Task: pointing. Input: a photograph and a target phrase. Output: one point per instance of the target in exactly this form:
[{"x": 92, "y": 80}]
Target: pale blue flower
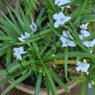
[
  {"x": 33, "y": 27},
  {"x": 66, "y": 39},
  {"x": 23, "y": 37},
  {"x": 18, "y": 52},
  {"x": 84, "y": 34},
  {"x": 61, "y": 2},
  {"x": 82, "y": 66},
  {"x": 84, "y": 26},
  {"x": 89, "y": 43},
  {"x": 60, "y": 19}
]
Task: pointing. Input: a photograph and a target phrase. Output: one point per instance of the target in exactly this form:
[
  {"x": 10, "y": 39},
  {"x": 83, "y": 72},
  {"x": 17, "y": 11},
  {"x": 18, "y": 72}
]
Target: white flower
[
  {"x": 89, "y": 43},
  {"x": 33, "y": 27},
  {"x": 89, "y": 85},
  {"x": 84, "y": 34},
  {"x": 60, "y": 19},
  {"x": 84, "y": 26},
  {"x": 22, "y": 38},
  {"x": 61, "y": 2},
  {"x": 66, "y": 39},
  {"x": 82, "y": 66},
  {"x": 18, "y": 52}
]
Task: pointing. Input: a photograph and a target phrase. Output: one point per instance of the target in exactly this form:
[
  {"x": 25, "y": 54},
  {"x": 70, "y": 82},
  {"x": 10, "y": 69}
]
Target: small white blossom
[
  {"x": 22, "y": 38},
  {"x": 84, "y": 34},
  {"x": 60, "y": 19},
  {"x": 57, "y": 1},
  {"x": 66, "y": 39},
  {"x": 18, "y": 52},
  {"x": 82, "y": 66},
  {"x": 89, "y": 43},
  {"x": 61, "y": 2},
  {"x": 33, "y": 27},
  {"x": 84, "y": 26},
  {"x": 89, "y": 85}
]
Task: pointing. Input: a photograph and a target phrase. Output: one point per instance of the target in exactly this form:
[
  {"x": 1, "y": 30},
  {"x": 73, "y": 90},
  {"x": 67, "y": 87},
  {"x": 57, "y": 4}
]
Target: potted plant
[{"x": 48, "y": 43}]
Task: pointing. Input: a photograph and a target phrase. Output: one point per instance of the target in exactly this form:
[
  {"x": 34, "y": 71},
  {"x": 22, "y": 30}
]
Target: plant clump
[{"x": 46, "y": 41}]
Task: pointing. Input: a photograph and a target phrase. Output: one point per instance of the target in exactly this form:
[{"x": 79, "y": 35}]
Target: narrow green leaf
[
  {"x": 8, "y": 57},
  {"x": 66, "y": 62},
  {"x": 59, "y": 81},
  {"x": 4, "y": 80},
  {"x": 75, "y": 54},
  {"x": 31, "y": 6},
  {"x": 11, "y": 24},
  {"x": 93, "y": 89},
  {"x": 12, "y": 16},
  {"x": 38, "y": 84},
  {"x": 25, "y": 19},
  {"x": 88, "y": 18},
  {"x": 51, "y": 82},
  {"x": 48, "y": 86},
  {"x": 84, "y": 87},
  {"x": 16, "y": 82},
  {"x": 3, "y": 72},
  {"x": 5, "y": 38}
]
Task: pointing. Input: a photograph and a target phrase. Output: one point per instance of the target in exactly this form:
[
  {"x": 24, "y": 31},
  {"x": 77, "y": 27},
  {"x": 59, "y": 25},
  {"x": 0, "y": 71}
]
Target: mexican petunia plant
[{"x": 48, "y": 40}]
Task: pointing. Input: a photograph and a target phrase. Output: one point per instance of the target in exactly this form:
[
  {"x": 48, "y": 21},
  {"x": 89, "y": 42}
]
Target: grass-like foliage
[{"x": 40, "y": 37}]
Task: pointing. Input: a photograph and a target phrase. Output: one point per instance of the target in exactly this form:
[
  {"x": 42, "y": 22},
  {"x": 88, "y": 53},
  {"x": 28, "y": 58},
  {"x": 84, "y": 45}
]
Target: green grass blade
[
  {"x": 84, "y": 87},
  {"x": 51, "y": 82},
  {"x": 38, "y": 84},
  {"x": 66, "y": 62},
  {"x": 16, "y": 82},
  {"x": 59, "y": 81},
  {"x": 3, "y": 72}
]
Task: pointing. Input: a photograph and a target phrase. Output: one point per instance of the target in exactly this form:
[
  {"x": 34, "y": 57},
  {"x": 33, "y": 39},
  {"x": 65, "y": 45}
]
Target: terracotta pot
[{"x": 30, "y": 90}]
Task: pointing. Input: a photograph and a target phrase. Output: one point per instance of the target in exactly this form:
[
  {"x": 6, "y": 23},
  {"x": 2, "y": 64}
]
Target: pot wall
[
  {"x": 74, "y": 91},
  {"x": 30, "y": 90}
]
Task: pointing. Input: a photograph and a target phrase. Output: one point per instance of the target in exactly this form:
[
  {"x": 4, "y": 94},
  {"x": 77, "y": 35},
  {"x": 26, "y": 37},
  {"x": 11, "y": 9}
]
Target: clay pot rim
[{"x": 30, "y": 89}]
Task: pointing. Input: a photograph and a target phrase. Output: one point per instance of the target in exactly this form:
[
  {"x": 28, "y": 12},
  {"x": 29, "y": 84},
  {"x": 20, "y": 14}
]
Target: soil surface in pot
[{"x": 58, "y": 69}]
